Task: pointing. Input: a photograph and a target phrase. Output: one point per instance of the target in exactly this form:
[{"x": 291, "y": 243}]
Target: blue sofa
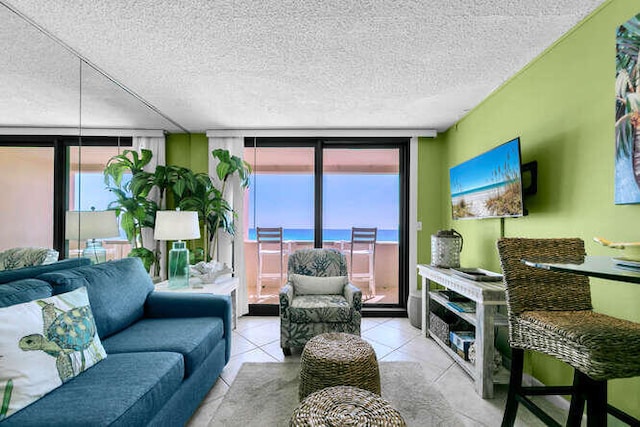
[{"x": 164, "y": 350}]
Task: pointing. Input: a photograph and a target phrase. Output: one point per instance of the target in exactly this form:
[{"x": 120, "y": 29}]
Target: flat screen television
[{"x": 489, "y": 185}]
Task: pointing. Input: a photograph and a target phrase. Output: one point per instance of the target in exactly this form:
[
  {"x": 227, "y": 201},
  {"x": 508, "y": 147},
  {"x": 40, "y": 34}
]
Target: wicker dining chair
[{"x": 551, "y": 313}]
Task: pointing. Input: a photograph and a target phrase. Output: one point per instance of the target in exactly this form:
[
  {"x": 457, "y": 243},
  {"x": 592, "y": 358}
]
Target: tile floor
[{"x": 257, "y": 339}]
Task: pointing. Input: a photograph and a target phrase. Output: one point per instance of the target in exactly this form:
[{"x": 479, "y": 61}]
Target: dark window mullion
[
  {"x": 403, "y": 238},
  {"x": 60, "y": 195},
  {"x": 318, "y": 196}
]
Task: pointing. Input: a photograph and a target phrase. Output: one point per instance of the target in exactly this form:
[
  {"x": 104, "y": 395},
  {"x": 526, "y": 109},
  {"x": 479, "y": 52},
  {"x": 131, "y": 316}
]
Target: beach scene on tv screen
[{"x": 488, "y": 185}]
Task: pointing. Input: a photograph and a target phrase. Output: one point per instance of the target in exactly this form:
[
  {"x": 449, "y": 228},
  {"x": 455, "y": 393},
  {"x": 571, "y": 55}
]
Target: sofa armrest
[
  {"x": 353, "y": 295},
  {"x": 171, "y": 304},
  {"x": 286, "y": 296}
]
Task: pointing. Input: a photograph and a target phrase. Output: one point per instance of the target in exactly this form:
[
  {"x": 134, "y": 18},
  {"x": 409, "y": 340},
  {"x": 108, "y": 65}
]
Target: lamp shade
[
  {"x": 84, "y": 225},
  {"x": 176, "y": 225}
]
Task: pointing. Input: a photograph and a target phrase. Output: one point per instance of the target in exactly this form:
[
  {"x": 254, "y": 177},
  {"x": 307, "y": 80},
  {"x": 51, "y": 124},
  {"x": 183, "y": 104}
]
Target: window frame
[
  {"x": 319, "y": 145},
  {"x": 60, "y": 145}
]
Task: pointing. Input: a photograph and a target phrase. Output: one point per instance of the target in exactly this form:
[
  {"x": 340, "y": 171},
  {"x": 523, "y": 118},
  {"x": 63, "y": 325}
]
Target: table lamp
[
  {"x": 90, "y": 226},
  {"x": 177, "y": 225}
]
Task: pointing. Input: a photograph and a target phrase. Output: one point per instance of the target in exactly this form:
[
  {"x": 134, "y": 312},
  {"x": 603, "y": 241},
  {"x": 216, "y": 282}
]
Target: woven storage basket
[
  {"x": 336, "y": 358},
  {"x": 442, "y": 321},
  {"x": 345, "y": 406}
]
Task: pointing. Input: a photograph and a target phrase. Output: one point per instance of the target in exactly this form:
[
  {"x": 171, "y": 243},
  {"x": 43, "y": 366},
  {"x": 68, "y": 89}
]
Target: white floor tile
[
  {"x": 240, "y": 344},
  {"x": 262, "y": 334},
  {"x": 389, "y": 336},
  {"x": 257, "y": 339}
]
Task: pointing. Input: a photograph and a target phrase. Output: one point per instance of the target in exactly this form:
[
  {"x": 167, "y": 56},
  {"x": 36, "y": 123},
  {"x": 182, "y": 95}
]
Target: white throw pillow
[
  {"x": 313, "y": 285},
  {"x": 27, "y": 370}
]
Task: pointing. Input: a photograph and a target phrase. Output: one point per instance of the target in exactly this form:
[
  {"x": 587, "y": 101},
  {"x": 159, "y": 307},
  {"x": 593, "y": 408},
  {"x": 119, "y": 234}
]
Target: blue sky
[
  {"x": 350, "y": 200},
  {"x": 286, "y": 200},
  {"x": 92, "y": 192},
  {"x": 478, "y": 171}
]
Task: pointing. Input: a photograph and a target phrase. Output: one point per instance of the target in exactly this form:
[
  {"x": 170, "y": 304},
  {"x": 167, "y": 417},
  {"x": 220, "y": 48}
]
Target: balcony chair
[
  {"x": 363, "y": 243},
  {"x": 317, "y": 298},
  {"x": 551, "y": 313},
  {"x": 269, "y": 244}
]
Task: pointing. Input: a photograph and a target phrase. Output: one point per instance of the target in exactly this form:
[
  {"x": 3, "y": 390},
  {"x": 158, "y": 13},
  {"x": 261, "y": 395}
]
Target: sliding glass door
[
  {"x": 361, "y": 216},
  {"x": 322, "y": 193},
  {"x": 280, "y": 196}
]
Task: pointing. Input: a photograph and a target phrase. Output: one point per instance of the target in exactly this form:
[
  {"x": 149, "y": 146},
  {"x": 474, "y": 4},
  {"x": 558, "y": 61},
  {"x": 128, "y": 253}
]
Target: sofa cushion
[
  {"x": 313, "y": 285},
  {"x": 11, "y": 259},
  {"x": 193, "y": 337},
  {"x": 123, "y": 390},
  {"x": 320, "y": 309},
  {"x": 24, "y": 290},
  {"x": 29, "y": 272},
  {"x": 117, "y": 291},
  {"x": 44, "y": 343}
]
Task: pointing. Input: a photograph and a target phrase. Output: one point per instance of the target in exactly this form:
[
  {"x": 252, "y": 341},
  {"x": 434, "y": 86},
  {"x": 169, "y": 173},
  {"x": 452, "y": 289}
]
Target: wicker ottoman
[
  {"x": 336, "y": 358},
  {"x": 345, "y": 406}
]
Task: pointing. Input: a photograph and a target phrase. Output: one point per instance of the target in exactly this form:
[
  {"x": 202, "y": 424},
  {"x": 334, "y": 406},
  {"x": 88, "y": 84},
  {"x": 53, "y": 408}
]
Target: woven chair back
[
  {"x": 535, "y": 289},
  {"x": 317, "y": 262}
]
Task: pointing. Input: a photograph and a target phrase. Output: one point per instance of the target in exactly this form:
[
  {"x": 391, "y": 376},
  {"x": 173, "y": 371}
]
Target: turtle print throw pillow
[{"x": 44, "y": 343}]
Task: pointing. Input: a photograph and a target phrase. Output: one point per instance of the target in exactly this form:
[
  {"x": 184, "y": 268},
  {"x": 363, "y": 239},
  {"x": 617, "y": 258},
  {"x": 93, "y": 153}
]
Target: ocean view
[
  {"x": 306, "y": 234},
  {"x": 481, "y": 189}
]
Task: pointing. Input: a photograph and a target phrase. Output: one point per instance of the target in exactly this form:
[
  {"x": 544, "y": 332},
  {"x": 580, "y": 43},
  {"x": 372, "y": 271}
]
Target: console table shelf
[
  {"x": 487, "y": 297},
  {"x": 499, "y": 320}
]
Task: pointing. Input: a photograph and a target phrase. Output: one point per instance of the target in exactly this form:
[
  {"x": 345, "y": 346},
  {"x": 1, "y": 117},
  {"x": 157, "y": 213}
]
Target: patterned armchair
[{"x": 317, "y": 298}]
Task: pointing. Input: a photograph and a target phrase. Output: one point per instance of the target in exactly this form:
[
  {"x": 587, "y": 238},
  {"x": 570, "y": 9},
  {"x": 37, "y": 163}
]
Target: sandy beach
[{"x": 476, "y": 201}]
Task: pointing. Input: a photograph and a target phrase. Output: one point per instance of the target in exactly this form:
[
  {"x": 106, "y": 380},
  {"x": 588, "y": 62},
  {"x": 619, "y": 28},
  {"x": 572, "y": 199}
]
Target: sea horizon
[{"x": 306, "y": 234}]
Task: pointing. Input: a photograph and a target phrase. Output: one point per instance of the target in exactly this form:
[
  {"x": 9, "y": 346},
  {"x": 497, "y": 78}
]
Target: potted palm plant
[
  {"x": 201, "y": 195},
  {"x": 132, "y": 207},
  {"x": 227, "y": 166},
  {"x": 191, "y": 191}
]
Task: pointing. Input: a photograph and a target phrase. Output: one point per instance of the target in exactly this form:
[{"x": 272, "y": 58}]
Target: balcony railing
[{"x": 386, "y": 271}]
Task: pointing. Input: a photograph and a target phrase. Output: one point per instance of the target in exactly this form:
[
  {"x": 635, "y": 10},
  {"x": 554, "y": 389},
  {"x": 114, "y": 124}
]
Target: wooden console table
[
  {"x": 487, "y": 296},
  {"x": 227, "y": 286}
]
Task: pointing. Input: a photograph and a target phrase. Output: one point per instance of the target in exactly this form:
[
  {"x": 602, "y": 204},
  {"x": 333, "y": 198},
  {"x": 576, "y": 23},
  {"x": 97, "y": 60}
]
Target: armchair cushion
[
  {"x": 313, "y": 285},
  {"x": 320, "y": 308}
]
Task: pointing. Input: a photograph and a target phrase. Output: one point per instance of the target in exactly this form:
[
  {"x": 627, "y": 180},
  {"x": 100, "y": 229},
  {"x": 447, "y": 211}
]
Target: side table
[{"x": 226, "y": 286}]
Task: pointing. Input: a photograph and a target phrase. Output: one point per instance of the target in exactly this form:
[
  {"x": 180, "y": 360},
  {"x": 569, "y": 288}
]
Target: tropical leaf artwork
[{"x": 627, "y": 126}]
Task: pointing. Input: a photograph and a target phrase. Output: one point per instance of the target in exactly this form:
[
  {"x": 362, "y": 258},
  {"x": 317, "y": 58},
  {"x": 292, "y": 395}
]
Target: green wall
[
  {"x": 189, "y": 150},
  {"x": 562, "y": 107}
]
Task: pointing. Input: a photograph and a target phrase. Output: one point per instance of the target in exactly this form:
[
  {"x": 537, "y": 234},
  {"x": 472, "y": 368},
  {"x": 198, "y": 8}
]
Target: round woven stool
[
  {"x": 336, "y": 358},
  {"x": 345, "y": 406}
]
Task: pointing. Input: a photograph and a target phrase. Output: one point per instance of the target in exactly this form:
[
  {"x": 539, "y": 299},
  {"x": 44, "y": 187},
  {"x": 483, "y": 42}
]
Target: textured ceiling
[{"x": 271, "y": 64}]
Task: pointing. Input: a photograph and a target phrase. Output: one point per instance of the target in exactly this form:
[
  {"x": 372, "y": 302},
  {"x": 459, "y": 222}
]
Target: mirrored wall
[{"x": 61, "y": 119}]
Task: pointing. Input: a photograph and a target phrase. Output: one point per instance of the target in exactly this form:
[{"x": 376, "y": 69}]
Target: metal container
[{"x": 446, "y": 246}]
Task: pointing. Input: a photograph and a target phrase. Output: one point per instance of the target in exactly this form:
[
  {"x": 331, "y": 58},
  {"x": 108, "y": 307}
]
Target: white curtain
[
  {"x": 231, "y": 248},
  {"x": 157, "y": 146}
]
